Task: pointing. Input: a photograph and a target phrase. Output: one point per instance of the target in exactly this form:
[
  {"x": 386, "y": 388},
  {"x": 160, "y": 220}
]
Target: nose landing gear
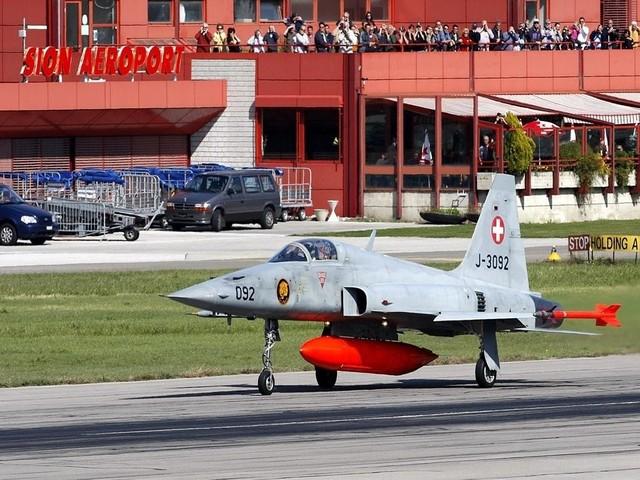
[{"x": 266, "y": 380}]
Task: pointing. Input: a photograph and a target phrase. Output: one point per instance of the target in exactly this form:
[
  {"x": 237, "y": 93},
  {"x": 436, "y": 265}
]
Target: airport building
[{"x": 121, "y": 83}]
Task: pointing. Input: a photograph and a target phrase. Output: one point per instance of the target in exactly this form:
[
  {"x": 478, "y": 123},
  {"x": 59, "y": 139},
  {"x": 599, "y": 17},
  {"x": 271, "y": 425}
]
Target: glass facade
[
  {"x": 279, "y": 133},
  {"x": 380, "y": 133},
  {"x": 322, "y": 133}
]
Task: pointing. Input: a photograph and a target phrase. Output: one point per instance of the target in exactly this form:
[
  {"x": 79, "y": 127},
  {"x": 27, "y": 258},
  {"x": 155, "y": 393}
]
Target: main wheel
[
  {"x": 8, "y": 234},
  {"x": 38, "y": 241},
  {"x": 217, "y": 221},
  {"x": 302, "y": 215},
  {"x": 326, "y": 378},
  {"x": 484, "y": 376},
  {"x": 268, "y": 218},
  {"x": 131, "y": 234},
  {"x": 266, "y": 382}
]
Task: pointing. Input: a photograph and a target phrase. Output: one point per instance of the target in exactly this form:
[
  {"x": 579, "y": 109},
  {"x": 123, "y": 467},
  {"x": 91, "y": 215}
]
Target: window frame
[{"x": 287, "y": 10}]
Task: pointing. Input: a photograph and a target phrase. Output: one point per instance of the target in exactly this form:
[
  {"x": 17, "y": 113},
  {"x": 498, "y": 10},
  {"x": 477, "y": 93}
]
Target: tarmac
[
  {"x": 553, "y": 419},
  {"x": 239, "y": 247}
]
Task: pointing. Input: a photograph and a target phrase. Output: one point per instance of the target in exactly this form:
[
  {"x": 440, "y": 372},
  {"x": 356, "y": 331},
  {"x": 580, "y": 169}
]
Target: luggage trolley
[{"x": 295, "y": 192}]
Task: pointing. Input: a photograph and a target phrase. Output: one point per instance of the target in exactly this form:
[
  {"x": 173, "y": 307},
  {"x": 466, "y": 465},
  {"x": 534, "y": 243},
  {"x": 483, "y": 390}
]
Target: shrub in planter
[
  {"x": 518, "y": 146},
  {"x": 587, "y": 168},
  {"x": 624, "y": 166},
  {"x": 570, "y": 151}
]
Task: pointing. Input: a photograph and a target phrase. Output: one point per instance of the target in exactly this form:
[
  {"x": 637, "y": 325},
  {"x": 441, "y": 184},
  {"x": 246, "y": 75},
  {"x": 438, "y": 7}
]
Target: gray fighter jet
[{"x": 364, "y": 299}]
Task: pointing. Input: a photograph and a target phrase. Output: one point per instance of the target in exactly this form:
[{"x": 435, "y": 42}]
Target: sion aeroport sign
[{"x": 102, "y": 60}]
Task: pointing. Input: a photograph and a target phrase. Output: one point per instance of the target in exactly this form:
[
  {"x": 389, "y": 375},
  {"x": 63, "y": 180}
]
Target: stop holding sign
[{"x": 579, "y": 243}]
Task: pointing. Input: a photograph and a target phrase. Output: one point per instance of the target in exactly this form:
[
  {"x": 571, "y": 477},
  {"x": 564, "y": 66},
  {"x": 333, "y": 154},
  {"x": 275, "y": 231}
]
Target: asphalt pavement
[
  {"x": 560, "y": 419},
  {"x": 239, "y": 247}
]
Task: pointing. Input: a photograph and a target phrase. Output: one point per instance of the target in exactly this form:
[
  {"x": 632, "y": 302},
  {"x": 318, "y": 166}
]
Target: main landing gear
[{"x": 266, "y": 381}]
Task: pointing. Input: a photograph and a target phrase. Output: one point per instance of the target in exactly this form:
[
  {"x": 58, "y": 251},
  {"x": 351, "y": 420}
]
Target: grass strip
[{"x": 88, "y": 327}]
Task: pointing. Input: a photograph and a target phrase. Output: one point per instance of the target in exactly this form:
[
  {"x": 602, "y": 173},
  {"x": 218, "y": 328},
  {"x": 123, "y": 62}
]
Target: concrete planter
[
  {"x": 632, "y": 180},
  {"x": 541, "y": 180},
  {"x": 484, "y": 180},
  {"x": 568, "y": 180},
  {"x": 600, "y": 182}
]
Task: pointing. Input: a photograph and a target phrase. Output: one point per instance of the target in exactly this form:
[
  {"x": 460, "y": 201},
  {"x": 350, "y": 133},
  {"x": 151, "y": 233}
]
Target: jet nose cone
[{"x": 200, "y": 296}]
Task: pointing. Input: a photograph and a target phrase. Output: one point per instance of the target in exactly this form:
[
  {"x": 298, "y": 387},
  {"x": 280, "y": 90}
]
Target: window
[
  {"x": 536, "y": 9},
  {"x": 278, "y": 133},
  {"x": 455, "y": 182},
  {"x": 379, "y": 9},
  {"x": 422, "y": 182},
  {"x": 104, "y": 11},
  {"x": 271, "y": 10},
  {"x": 329, "y": 11},
  {"x": 457, "y": 141},
  {"x": 244, "y": 10},
  {"x": 190, "y": 11},
  {"x": 419, "y": 137},
  {"x": 380, "y": 131},
  {"x": 380, "y": 181},
  {"x": 322, "y": 134},
  {"x": 251, "y": 184},
  {"x": 267, "y": 183},
  {"x": 356, "y": 8},
  {"x": 236, "y": 185},
  {"x": 159, "y": 11},
  {"x": 304, "y": 8}
]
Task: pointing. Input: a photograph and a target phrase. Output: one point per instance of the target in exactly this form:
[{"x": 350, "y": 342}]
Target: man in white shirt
[
  {"x": 486, "y": 36},
  {"x": 583, "y": 34}
]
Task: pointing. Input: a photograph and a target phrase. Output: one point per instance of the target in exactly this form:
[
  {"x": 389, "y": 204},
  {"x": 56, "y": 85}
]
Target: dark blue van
[{"x": 21, "y": 221}]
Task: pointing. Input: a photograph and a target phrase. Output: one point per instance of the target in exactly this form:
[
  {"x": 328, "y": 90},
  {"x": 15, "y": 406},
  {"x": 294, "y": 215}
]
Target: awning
[
  {"x": 463, "y": 107},
  {"x": 298, "y": 101},
  {"x": 580, "y": 104},
  {"x": 109, "y": 108}
]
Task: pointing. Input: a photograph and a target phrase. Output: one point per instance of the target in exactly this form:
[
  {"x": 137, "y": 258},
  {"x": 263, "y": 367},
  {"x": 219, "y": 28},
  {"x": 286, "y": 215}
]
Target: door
[
  {"x": 72, "y": 18},
  {"x": 253, "y": 197},
  {"x": 233, "y": 203}
]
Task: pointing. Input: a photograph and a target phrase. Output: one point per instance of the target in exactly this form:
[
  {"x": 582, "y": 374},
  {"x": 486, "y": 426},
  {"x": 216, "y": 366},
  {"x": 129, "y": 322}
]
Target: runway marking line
[{"x": 363, "y": 419}]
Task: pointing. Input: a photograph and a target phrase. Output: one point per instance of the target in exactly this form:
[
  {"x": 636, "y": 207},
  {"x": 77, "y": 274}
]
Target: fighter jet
[{"x": 364, "y": 299}]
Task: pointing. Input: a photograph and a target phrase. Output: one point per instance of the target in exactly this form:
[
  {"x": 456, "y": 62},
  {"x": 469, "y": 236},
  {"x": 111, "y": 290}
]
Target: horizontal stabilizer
[{"x": 553, "y": 330}]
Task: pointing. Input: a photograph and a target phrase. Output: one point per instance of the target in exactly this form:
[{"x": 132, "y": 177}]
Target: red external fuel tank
[{"x": 365, "y": 356}]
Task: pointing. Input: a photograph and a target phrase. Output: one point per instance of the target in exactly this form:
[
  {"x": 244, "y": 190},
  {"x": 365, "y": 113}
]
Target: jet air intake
[{"x": 365, "y": 356}]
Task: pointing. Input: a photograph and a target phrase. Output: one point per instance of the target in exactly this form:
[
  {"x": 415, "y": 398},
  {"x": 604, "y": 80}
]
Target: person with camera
[
  {"x": 534, "y": 37},
  {"x": 510, "y": 40},
  {"x": 486, "y": 36},
  {"x": 634, "y": 34},
  {"x": 219, "y": 39},
  {"x": 271, "y": 39},
  {"x": 233, "y": 41},
  {"x": 345, "y": 38},
  {"x": 203, "y": 39},
  {"x": 256, "y": 42},
  {"x": 583, "y": 34},
  {"x": 609, "y": 36}
]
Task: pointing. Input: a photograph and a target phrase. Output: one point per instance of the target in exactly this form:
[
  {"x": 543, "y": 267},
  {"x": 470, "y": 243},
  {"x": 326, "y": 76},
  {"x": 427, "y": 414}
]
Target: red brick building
[{"x": 341, "y": 115}]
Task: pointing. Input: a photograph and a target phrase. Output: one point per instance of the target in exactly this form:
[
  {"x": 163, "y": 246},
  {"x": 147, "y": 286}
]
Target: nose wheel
[{"x": 266, "y": 380}]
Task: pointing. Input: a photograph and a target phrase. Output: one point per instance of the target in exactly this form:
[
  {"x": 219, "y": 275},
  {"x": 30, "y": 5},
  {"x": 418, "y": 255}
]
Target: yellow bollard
[{"x": 554, "y": 256}]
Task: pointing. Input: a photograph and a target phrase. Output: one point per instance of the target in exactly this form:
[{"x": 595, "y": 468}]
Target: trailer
[
  {"x": 82, "y": 219},
  {"x": 295, "y": 192}
]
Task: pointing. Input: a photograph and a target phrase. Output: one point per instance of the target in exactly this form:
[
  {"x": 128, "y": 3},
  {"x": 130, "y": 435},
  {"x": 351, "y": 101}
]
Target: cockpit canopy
[{"x": 307, "y": 250}]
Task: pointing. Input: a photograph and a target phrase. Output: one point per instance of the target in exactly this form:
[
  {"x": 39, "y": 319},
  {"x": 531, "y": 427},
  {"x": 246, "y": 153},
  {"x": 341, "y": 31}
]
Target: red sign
[
  {"x": 498, "y": 230},
  {"x": 103, "y": 60},
  {"x": 579, "y": 243}
]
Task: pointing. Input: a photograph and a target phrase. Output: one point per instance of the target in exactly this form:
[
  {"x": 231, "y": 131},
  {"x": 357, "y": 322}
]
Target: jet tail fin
[{"x": 496, "y": 254}]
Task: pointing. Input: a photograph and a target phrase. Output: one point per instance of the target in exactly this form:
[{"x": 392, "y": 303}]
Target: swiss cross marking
[{"x": 497, "y": 230}]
